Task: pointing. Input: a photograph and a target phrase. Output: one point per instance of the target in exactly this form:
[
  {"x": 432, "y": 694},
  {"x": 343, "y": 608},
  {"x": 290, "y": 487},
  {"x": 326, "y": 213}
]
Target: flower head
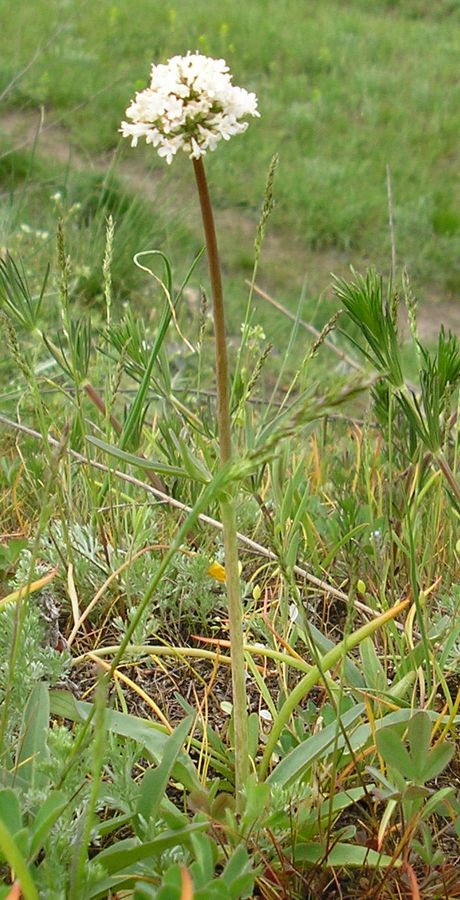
[{"x": 190, "y": 105}]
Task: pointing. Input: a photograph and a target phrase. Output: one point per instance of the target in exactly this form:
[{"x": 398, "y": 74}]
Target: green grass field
[
  {"x": 230, "y": 671},
  {"x": 345, "y": 90}
]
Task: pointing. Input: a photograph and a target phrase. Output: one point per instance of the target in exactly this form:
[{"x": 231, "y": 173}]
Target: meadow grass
[
  {"x": 117, "y": 723},
  {"x": 343, "y": 95},
  {"x": 347, "y": 532}
]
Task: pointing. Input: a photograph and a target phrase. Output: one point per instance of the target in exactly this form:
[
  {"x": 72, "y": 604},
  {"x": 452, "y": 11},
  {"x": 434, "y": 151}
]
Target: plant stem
[
  {"x": 448, "y": 474},
  {"x": 235, "y": 612}
]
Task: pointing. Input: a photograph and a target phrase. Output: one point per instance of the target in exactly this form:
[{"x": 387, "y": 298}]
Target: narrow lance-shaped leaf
[
  {"x": 155, "y": 781},
  {"x": 33, "y": 747}
]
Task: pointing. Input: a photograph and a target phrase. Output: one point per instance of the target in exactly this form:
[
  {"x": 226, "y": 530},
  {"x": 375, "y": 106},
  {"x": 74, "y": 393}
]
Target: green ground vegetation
[
  {"x": 117, "y": 773},
  {"x": 345, "y": 90}
]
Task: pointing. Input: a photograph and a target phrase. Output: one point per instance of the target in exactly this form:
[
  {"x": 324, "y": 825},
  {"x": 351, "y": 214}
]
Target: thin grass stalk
[
  {"x": 417, "y": 596},
  {"x": 267, "y": 209},
  {"x": 449, "y": 476},
  {"x": 15, "y": 860},
  {"x": 352, "y": 363},
  {"x": 158, "y": 650},
  {"x": 389, "y": 510},
  {"x": 235, "y": 612}
]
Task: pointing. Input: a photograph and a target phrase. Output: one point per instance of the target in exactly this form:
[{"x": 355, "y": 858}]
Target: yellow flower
[{"x": 217, "y": 571}]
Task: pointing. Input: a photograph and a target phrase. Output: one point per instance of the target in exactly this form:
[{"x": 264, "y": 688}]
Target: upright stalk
[{"x": 232, "y": 576}]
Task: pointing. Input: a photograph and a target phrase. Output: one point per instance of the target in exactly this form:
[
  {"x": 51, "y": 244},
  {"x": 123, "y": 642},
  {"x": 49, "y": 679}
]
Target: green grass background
[{"x": 345, "y": 89}]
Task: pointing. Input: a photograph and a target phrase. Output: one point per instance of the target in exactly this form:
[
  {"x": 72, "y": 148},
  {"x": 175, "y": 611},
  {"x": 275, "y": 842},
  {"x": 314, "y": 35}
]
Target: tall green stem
[{"x": 232, "y": 579}]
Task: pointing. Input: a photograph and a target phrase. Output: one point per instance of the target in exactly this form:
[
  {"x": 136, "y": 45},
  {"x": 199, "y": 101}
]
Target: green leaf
[
  {"x": 317, "y": 747},
  {"x": 437, "y": 760},
  {"x": 238, "y": 874},
  {"x": 135, "y": 414},
  {"x": 256, "y": 801},
  {"x": 196, "y": 470},
  {"x": 253, "y": 734},
  {"x": 238, "y": 861},
  {"x": 391, "y": 790},
  {"x": 155, "y": 781},
  {"x": 10, "y": 852},
  {"x": 422, "y": 764},
  {"x": 243, "y": 886},
  {"x": 363, "y": 733},
  {"x": 427, "y": 764},
  {"x": 10, "y": 811},
  {"x": 152, "y": 737},
  {"x": 33, "y": 747},
  {"x": 432, "y": 805},
  {"x": 401, "y": 687},
  {"x": 171, "y": 885},
  {"x": 102, "y": 829},
  {"x": 324, "y": 644},
  {"x": 148, "y": 892},
  {"x": 363, "y": 299},
  {"x": 46, "y": 818},
  {"x": 140, "y": 462},
  {"x": 313, "y": 824},
  {"x": 216, "y": 890},
  {"x": 326, "y": 561},
  {"x": 205, "y": 853},
  {"x": 393, "y": 751},
  {"x": 12, "y": 779},
  {"x": 419, "y": 736},
  {"x": 211, "y": 736},
  {"x": 374, "y": 673},
  {"x": 127, "y": 853},
  {"x": 16, "y": 295},
  {"x": 346, "y": 855}
]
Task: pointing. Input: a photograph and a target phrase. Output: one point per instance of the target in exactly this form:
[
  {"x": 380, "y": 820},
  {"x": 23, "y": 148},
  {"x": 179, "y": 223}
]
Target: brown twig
[{"x": 314, "y": 331}]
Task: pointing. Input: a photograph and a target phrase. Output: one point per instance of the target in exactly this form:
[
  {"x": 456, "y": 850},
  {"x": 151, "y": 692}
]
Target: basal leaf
[
  {"x": 293, "y": 766},
  {"x": 139, "y": 461},
  {"x": 33, "y": 747},
  {"x": 393, "y": 751},
  {"x": 10, "y": 811},
  {"x": 122, "y": 855},
  {"x": 47, "y": 816},
  {"x": 155, "y": 781},
  {"x": 151, "y": 736},
  {"x": 437, "y": 760},
  {"x": 346, "y": 855}
]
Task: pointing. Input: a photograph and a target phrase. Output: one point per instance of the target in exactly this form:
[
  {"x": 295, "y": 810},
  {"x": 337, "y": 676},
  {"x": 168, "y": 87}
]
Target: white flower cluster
[{"x": 190, "y": 105}]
